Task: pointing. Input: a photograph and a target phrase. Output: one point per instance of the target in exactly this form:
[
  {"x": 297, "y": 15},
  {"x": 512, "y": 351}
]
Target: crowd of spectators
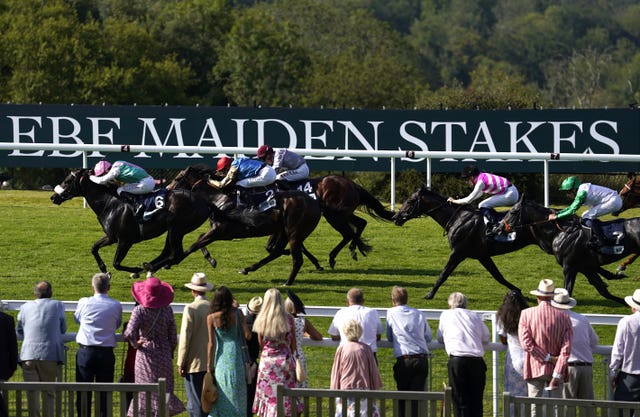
[{"x": 550, "y": 348}]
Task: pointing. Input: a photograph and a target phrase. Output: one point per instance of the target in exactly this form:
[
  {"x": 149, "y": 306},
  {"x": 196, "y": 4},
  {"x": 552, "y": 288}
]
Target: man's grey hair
[
  {"x": 457, "y": 300},
  {"x": 101, "y": 282}
]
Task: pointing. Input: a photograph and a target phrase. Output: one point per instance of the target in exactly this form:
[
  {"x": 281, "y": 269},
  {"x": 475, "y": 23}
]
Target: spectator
[
  {"x": 545, "y": 335},
  {"x": 152, "y": 331},
  {"x": 227, "y": 331},
  {"x": 275, "y": 329},
  {"x": 580, "y": 382},
  {"x": 407, "y": 329},
  {"x": 507, "y": 319},
  {"x": 464, "y": 334},
  {"x": 354, "y": 367},
  {"x": 294, "y": 306},
  {"x": 253, "y": 308},
  {"x": 99, "y": 318},
  {"x": 192, "y": 346},
  {"x": 8, "y": 354},
  {"x": 42, "y": 323},
  {"x": 288, "y": 165},
  {"x": 367, "y": 317},
  {"x": 625, "y": 355}
]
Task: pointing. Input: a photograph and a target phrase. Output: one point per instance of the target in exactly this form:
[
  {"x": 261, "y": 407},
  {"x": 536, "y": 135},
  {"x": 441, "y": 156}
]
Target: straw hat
[
  {"x": 152, "y": 293},
  {"x": 209, "y": 392},
  {"x": 545, "y": 289},
  {"x": 562, "y": 300},
  {"x": 199, "y": 283},
  {"x": 255, "y": 304},
  {"x": 633, "y": 300}
]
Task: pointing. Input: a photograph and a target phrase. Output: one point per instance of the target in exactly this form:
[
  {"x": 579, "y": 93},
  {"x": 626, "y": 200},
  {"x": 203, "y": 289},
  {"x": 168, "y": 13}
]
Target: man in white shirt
[
  {"x": 99, "y": 318},
  {"x": 407, "y": 329},
  {"x": 367, "y": 317},
  {"x": 464, "y": 334},
  {"x": 624, "y": 368},
  {"x": 580, "y": 383}
]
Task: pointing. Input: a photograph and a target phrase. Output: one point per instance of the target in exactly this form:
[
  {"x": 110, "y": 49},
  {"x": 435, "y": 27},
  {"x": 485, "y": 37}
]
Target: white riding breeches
[
  {"x": 266, "y": 176},
  {"x": 609, "y": 206},
  {"x": 146, "y": 185},
  {"x": 508, "y": 198},
  {"x": 297, "y": 174}
]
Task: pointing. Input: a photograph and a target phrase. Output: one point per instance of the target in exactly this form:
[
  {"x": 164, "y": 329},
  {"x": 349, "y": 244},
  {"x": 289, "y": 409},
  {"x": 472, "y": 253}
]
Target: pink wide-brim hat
[{"x": 152, "y": 293}]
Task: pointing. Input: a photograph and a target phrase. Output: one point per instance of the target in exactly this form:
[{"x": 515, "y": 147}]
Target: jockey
[
  {"x": 131, "y": 179},
  {"x": 245, "y": 172},
  {"x": 289, "y": 165},
  {"x": 503, "y": 193}
]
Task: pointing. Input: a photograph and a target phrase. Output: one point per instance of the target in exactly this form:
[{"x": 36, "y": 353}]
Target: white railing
[{"x": 427, "y": 156}]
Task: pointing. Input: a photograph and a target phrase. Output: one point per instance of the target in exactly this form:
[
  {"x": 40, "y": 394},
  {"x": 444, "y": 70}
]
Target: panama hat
[
  {"x": 545, "y": 289},
  {"x": 562, "y": 300},
  {"x": 633, "y": 300},
  {"x": 209, "y": 392},
  {"x": 199, "y": 283},
  {"x": 255, "y": 304},
  {"x": 152, "y": 293}
]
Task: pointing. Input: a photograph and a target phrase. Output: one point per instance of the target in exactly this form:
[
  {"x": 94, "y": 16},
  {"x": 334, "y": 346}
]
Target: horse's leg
[
  {"x": 104, "y": 241},
  {"x": 121, "y": 251},
  {"x": 172, "y": 253},
  {"x": 610, "y": 275},
  {"x": 623, "y": 266},
  {"x": 312, "y": 258},
  {"x": 595, "y": 280},
  {"x": 490, "y": 266},
  {"x": 570, "y": 274},
  {"x": 273, "y": 254},
  {"x": 296, "y": 262},
  {"x": 453, "y": 261},
  {"x": 358, "y": 224},
  {"x": 208, "y": 257},
  {"x": 347, "y": 233}
]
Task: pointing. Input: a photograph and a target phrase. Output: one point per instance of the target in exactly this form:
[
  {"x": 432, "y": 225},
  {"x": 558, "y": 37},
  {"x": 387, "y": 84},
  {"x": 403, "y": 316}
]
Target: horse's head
[
  {"x": 524, "y": 213},
  {"x": 191, "y": 177},
  {"x": 630, "y": 193},
  {"x": 71, "y": 186},
  {"x": 419, "y": 203}
]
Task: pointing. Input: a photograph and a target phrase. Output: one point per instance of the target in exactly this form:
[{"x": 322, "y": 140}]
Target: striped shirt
[
  {"x": 545, "y": 330},
  {"x": 624, "y": 352},
  {"x": 493, "y": 184}
]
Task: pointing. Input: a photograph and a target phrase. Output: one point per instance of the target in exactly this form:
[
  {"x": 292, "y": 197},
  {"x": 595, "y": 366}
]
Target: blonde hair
[
  {"x": 289, "y": 306},
  {"x": 272, "y": 321},
  {"x": 352, "y": 330}
]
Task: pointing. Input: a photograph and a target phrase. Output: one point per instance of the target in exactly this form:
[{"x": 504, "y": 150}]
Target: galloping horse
[
  {"x": 567, "y": 241},
  {"x": 184, "y": 212},
  {"x": 630, "y": 195},
  {"x": 339, "y": 198},
  {"x": 465, "y": 230},
  {"x": 290, "y": 222}
]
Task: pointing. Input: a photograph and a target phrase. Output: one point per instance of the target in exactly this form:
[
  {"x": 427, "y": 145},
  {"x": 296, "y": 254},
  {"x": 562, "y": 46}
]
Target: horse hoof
[
  {"x": 243, "y": 271},
  {"x": 134, "y": 275},
  {"x": 319, "y": 269},
  {"x": 213, "y": 263},
  {"x": 428, "y": 297},
  {"x": 332, "y": 263}
]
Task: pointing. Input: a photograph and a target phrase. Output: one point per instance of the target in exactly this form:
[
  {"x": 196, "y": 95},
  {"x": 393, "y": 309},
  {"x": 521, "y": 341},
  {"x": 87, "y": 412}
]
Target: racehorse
[
  {"x": 568, "y": 242},
  {"x": 290, "y": 222},
  {"x": 195, "y": 178},
  {"x": 184, "y": 212},
  {"x": 630, "y": 195},
  {"x": 339, "y": 198},
  {"x": 465, "y": 229}
]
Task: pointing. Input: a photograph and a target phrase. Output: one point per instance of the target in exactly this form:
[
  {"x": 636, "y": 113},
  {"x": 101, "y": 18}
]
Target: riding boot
[
  {"x": 595, "y": 240},
  {"x": 138, "y": 208}
]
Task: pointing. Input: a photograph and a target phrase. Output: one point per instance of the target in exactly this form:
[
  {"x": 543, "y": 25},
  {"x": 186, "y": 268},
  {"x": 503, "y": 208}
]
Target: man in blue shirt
[
  {"x": 407, "y": 329},
  {"x": 99, "y": 318},
  {"x": 245, "y": 172}
]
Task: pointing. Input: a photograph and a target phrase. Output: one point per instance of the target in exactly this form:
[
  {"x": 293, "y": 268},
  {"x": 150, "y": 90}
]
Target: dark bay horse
[
  {"x": 465, "y": 229},
  {"x": 289, "y": 223},
  {"x": 630, "y": 195},
  {"x": 568, "y": 242},
  {"x": 184, "y": 212},
  {"x": 339, "y": 198}
]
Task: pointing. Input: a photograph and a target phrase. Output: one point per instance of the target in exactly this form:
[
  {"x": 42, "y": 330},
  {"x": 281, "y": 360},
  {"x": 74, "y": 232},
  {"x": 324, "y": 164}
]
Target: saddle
[
  {"x": 146, "y": 205},
  {"x": 306, "y": 185},
  {"x": 605, "y": 237},
  {"x": 260, "y": 199}
]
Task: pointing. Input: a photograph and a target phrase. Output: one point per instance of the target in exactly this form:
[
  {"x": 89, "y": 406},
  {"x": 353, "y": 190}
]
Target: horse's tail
[{"x": 373, "y": 206}]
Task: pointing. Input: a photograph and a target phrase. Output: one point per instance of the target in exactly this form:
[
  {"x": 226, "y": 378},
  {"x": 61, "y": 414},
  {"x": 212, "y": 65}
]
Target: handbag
[
  {"x": 301, "y": 372},
  {"x": 209, "y": 392}
]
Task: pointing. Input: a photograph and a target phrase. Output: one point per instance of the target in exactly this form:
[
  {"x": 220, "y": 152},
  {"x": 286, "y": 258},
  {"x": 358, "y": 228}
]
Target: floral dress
[
  {"x": 299, "y": 323},
  {"x": 277, "y": 366},
  {"x": 155, "y": 329}
]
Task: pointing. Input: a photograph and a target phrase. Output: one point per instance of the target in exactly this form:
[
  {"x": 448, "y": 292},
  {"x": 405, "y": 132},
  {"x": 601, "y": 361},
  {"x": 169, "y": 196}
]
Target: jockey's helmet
[
  {"x": 264, "y": 151},
  {"x": 224, "y": 163},
  {"x": 570, "y": 184},
  {"x": 102, "y": 168},
  {"x": 470, "y": 171}
]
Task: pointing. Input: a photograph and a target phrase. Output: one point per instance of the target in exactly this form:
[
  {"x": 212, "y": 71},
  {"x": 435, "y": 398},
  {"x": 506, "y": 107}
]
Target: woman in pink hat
[{"x": 152, "y": 331}]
